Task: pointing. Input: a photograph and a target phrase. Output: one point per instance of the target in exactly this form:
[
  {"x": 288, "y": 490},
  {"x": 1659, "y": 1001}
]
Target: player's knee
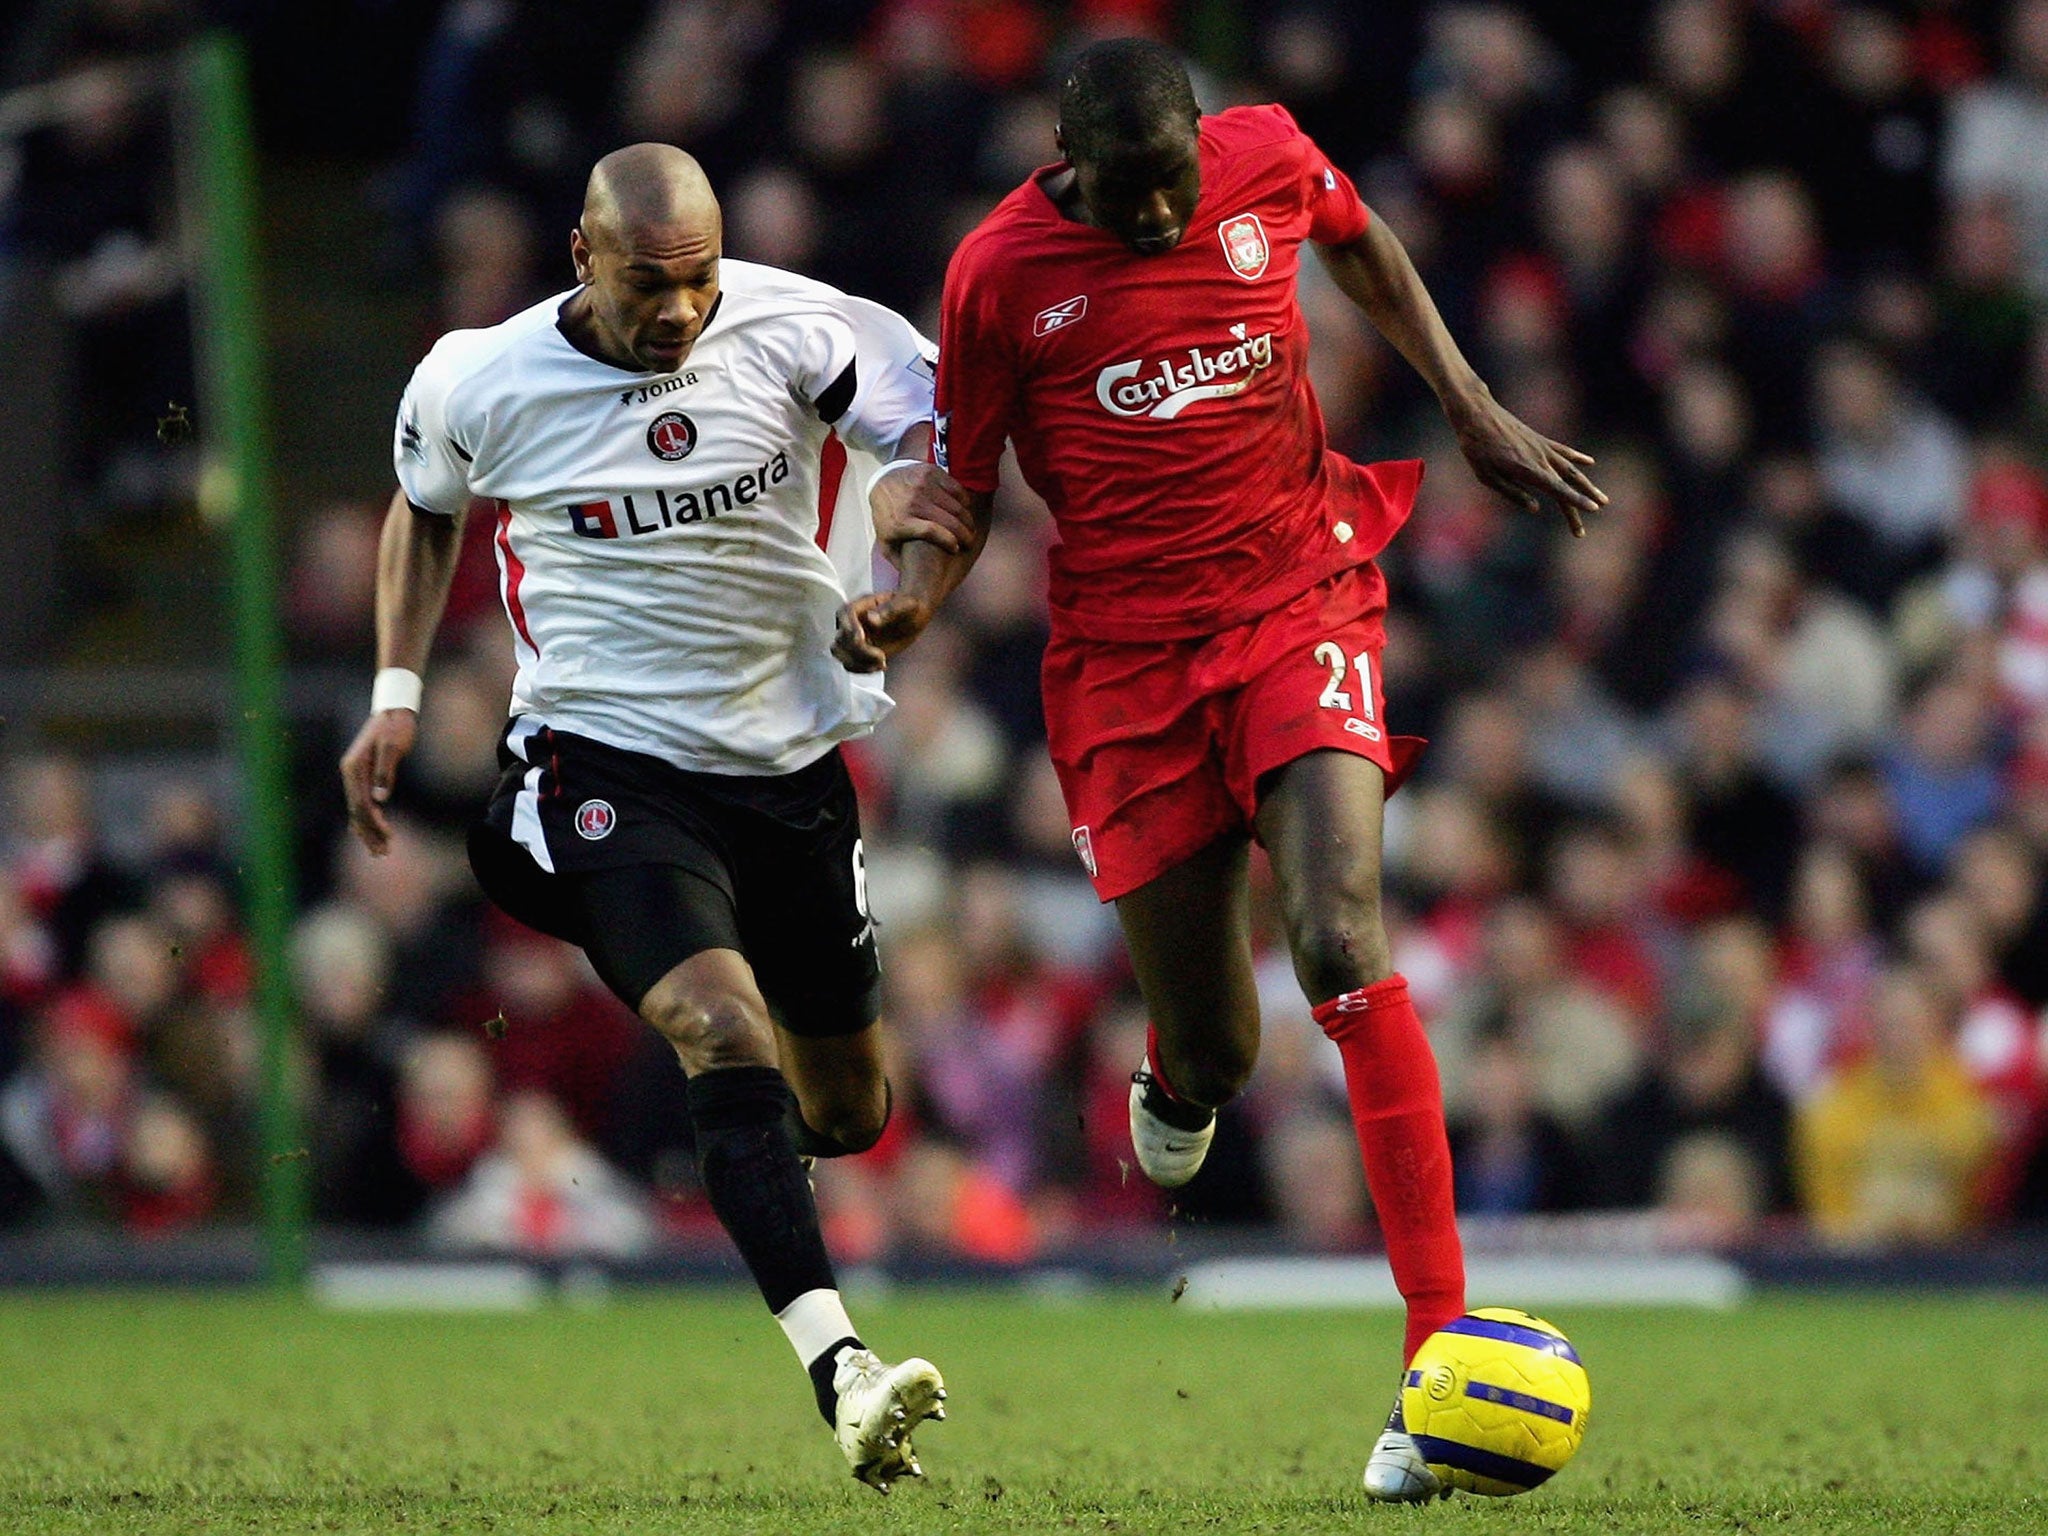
[
  {"x": 1341, "y": 951},
  {"x": 711, "y": 1028}
]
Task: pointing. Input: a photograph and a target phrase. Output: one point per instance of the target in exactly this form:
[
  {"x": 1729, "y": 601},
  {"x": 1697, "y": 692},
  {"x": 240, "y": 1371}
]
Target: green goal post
[{"x": 219, "y": 195}]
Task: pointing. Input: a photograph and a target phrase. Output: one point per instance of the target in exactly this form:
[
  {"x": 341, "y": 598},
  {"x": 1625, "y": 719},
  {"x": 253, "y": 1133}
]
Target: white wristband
[
  {"x": 396, "y": 688},
  {"x": 889, "y": 469}
]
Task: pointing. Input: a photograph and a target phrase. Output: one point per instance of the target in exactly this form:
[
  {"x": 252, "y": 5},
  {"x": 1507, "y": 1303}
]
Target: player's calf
[
  {"x": 1207, "y": 1074},
  {"x": 831, "y": 1051},
  {"x": 841, "y": 1126},
  {"x": 1390, "y": 1078}
]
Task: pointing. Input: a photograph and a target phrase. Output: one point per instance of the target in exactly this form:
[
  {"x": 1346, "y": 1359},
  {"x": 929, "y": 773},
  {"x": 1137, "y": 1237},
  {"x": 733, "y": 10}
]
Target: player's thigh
[
  {"x": 1131, "y": 733},
  {"x": 1309, "y": 758},
  {"x": 1320, "y": 819},
  {"x": 1189, "y": 935},
  {"x": 802, "y": 901},
  {"x": 665, "y": 939}
]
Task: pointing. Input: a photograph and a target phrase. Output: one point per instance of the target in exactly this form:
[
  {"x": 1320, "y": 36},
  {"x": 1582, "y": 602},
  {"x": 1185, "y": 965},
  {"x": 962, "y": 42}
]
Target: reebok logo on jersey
[
  {"x": 1244, "y": 244},
  {"x": 1084, "y": 845},
  {"x": 1060, "y": 315},
  {"x": 1163, "y": 392},
  {"x": 640, "y": 512},
  {"x": 671, "y": 436}
]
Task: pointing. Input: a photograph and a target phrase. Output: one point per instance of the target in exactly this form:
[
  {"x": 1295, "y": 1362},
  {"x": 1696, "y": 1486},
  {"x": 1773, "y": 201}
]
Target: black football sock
[
  {"x": 813, "y": 1143},
  {"x": 822, "y": 1371},
  {"x": 759, "y": 1190}
]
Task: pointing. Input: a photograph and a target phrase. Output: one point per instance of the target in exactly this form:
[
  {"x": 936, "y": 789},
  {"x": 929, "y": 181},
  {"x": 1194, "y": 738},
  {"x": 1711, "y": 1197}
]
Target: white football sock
[{"x": 814, "y": 1322}]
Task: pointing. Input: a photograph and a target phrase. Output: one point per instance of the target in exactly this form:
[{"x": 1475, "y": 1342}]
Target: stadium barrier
[{"x": 1217, "y": 1267}]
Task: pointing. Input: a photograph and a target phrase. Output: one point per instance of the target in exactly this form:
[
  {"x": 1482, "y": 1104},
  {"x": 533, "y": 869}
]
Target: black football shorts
[{"x": 643, "y": 865}]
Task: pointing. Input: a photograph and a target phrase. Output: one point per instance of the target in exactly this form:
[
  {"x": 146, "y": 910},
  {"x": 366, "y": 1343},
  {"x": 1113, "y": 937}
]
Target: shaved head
[
  {"x": 646, "y": 251},
  {"x": 643, "y": 188},
  {"x": 1130, "y": 128}
]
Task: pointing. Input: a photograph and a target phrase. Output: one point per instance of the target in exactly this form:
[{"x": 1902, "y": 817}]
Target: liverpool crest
[{"x": 1244, "y": 243}]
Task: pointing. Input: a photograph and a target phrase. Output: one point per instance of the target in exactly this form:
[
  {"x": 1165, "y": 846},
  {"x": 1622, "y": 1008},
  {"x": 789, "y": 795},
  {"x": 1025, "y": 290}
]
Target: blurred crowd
[
  {"x": 89, "y": 227},
  {"x": 1723, "y": 888}
]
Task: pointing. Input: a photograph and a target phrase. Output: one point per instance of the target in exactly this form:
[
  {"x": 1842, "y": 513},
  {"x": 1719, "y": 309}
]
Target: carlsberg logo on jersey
[
  {"x": 651, "y": 511},
  {"x": 1164, "y": 390}
]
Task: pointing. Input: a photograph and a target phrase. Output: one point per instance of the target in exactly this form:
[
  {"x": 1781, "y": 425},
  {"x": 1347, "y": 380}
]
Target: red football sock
[
  {"x": 1397, "y": 1105},
  {"x": 1152, "y": 1062}
]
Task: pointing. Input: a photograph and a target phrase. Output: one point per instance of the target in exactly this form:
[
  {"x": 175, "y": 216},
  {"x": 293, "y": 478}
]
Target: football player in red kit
[{"x": 1127, "y": 319}]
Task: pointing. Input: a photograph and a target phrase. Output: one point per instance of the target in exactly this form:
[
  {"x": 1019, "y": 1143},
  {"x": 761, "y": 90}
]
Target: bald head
[
  {"x": 645, "y": 188},
  {"x": 646, "y": 252}
]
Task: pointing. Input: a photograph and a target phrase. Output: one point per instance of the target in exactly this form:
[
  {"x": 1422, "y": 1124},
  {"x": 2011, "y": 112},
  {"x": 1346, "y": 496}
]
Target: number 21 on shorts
[{"x": 1337, "y": 696}]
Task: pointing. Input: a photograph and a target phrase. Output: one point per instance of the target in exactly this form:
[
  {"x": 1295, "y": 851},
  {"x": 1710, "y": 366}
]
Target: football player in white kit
[{"x": 662, "y": 448}]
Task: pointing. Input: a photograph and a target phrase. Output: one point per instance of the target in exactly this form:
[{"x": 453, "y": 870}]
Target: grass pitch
[{"x": 686, "y": 1413}]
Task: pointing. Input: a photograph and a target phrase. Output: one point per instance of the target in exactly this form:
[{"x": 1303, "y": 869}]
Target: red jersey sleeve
[
  {"x": 975, "y": 397},
  {"x": 1337, "y": 215}
]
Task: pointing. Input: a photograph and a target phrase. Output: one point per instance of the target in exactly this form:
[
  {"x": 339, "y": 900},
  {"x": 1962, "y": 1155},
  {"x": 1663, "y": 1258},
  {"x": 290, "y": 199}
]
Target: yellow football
[{"x": 1497, "y": 1401}]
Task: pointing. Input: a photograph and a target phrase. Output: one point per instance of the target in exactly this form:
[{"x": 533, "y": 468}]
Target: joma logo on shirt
[
  {"x": 647, "y": 392},
  {"x": 651, "y": 511},
  {"x": 1173, "y": 386}
]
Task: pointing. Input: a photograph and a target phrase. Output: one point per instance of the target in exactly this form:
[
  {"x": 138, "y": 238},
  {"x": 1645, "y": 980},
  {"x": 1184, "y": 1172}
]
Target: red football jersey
[{"x": 1161, "y": 404}]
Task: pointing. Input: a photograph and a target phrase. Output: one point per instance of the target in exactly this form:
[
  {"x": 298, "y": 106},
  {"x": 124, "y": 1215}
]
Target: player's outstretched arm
[
  {"x": 1507, "y": 454},
  {"x": 874, "y": 628},
  {"x": 415, "y": 563},
  {"x": 915, "y": 499}
]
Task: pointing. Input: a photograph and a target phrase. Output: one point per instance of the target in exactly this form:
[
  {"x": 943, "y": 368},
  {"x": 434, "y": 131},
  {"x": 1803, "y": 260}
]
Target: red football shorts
[{"x": 1160, "y": 745}]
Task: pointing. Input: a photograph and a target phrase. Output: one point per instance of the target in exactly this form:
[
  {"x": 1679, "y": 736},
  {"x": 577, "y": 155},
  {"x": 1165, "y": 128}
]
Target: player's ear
[
  {"x": 1059, "y": 141},
  {"x": 579, "y": 254}
]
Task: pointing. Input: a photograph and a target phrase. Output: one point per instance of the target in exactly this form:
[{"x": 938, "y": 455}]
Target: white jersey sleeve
[
  {"x": 827, "y": 370},
  {"x": 878, "y": 401},
  {"x": 897, "y": 366},
  {"x": 433, "y": 469}
]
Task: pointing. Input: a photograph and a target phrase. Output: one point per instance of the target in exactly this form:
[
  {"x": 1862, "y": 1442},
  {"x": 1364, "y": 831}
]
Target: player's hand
[
  {"x": 1514, "y": 459},
  {"x": 369, "y": 766},
  {"x": 874, "y": 628},
  {"x": 922, "y": 503}
]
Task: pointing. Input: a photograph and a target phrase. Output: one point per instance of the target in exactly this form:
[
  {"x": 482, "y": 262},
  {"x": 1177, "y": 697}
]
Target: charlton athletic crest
[
  {"x": 671, "y": 436},
  {"x": 1084, "y": 845},
  {"x": 595, "y": 819},
  {"x": 1244, "y": 242}
]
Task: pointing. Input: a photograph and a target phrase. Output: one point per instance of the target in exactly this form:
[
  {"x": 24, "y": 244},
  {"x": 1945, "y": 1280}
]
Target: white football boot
[
  {"x": 1169, "y": 1154},
  {"x": 879, "y": 1405},
  {"x": 1395, "y": 1473}
]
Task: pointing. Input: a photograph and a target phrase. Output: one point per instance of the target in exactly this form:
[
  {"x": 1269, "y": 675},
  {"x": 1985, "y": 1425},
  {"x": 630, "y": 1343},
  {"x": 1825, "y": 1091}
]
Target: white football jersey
[{"x": 673, "y": 548}]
